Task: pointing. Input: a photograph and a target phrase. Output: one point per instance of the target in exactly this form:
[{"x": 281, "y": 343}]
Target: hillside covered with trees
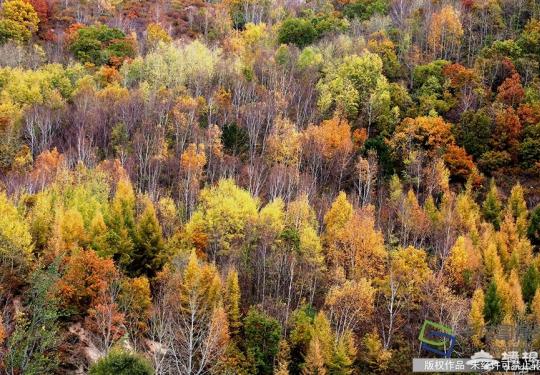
[{"x": 266, "y": 186}]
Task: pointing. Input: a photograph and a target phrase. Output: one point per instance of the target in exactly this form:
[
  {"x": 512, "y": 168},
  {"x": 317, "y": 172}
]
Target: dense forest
[{"x": 266, "y": 186}]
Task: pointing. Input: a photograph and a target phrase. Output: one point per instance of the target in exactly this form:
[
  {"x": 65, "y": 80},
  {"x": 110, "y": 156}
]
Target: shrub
[
  {"x": 365, "y": 9},
  {"x": 297, "y": 31},
  {"x": 121, "y": 363},
  {"x": 100, "y": 44}
]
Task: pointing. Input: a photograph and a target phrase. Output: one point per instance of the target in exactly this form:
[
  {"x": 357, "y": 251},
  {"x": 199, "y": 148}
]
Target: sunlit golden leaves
[
  {"x": 351, "y": 304},
  {"x": 284, "y": 143},
  {"x": 476, "y": 317},
  {"x": 331, "y": 138},
  {"x": 193, "y": 159},
  {"x": 445, "y": 30}
]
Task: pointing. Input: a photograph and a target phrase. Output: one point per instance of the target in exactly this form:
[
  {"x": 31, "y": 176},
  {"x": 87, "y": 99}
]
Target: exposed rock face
[{"x": 90, "y": 352}]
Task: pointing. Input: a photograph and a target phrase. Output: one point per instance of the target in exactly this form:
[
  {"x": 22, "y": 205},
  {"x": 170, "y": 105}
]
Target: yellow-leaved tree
[
  {"x": 350, "y": 305},
  {"x": 189, "y": 307},
  {"x": 15, "y": 244},
  {"x": 518, "y": 208},
  {"x": 218, "y": 225},
  {"x": 232, "y": 303},
  {"x": 319, "y": 352},
  {"x": 445, "y": 32},
  {"x": 358, "y": 247},
  {"x": 463, "y": 264},
  {"x": 18, "y": 21},
  {"x": 476, "y": 317},
  {"x": 374, "y": 354}
]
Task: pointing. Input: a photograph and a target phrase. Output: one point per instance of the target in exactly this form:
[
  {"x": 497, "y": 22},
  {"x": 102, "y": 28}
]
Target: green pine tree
[
  {"x": 491, "y": 208},
  {"x": 533, "y": 232},
  {"x": 300, "y": 335},
  {"x": 121, "y": 224},
  {"x": 147, "y": 256},
  {"x": 493, "y": 305},
  {"x": 529, "y": 283},
  {"x": 261, "y": 339},
  {"x": 343, "y": 355}
]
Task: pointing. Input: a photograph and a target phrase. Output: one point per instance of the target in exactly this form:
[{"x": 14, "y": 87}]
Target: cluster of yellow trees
[
  {"x": 241, "y": 286},
  {"x": 262, "y": 187}
]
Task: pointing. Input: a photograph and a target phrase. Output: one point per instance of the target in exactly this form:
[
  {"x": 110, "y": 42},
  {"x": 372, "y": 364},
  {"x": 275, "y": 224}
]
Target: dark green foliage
[
  {"x": 529, "y": 149},
  {"x": 533, "y": 232},
  {"x": 121, "y": 223},
  {"x": 235, "y": 139},
  {"x": 100, "y": 45},
  {"x": 434, "y": 71},
  {"x": 474, "y": 132},
  {"x": 32, "y": 348},
  {"x": 493, "y": 160},
  {"x": 120, "y": 49},
  {"x": 147, "y": 257},
  {"x": 383, "y": 152},
  {"x": 120, "y": 241},
  {"x": 530, "y": 38},
  {"x": 493, "y": 56},
  {"x": 529, "y": 283},
  {"x": 238, "y": 20},
  {"x": 261, "y": 340},
  {"x": 121, "y": 363},
  {"x": 291, "y": 237},
  {"x": 492, "y": 305},
  {"x": 429, "y": 86},
  {"x": 297, "y": 31},
  {"x": 508, "y": 48},
  {"x": 401, "y": 98},
  {"x": 491, "y": 208},
  {"x": 300, "y": 335},
  {"x": 365, "y": 9},
  {"x": 326, "y": 23}
]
